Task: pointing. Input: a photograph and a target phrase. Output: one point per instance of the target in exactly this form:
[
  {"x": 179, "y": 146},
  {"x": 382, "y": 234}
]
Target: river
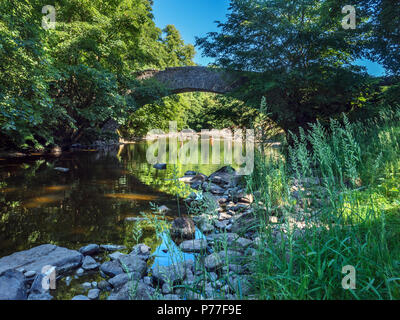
[{"x": 91, "y": 203}]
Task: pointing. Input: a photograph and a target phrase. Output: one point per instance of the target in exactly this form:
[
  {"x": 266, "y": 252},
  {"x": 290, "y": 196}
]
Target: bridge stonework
[{"x": 189, "y": 79}]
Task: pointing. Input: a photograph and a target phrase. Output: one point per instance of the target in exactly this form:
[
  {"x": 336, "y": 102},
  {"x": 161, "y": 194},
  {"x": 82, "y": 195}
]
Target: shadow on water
[{"x": 88, "y": 204}]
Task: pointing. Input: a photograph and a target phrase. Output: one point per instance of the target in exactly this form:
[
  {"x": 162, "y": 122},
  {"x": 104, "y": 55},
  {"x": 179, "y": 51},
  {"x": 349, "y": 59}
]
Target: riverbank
[
  {"x": 120, "y": 271},
  {"x": 286, "y": 232}
]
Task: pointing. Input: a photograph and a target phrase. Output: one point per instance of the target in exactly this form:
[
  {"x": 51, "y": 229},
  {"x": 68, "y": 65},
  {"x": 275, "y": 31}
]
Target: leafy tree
[
  {"x": 384, "y": 44},
  {"x": 297, "y": 54},
  {"x": 61, "y": 86}
]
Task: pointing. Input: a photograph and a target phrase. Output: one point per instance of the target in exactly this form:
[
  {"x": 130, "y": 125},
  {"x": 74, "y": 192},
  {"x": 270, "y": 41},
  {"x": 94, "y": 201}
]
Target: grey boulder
[
  {"x": 36, "y": 258},
  {"x": 12, "y": 286},
  {"x": 89, "y": 263}
]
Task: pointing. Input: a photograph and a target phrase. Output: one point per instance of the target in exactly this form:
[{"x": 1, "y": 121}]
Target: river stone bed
[{"x": 221, "y": 270}]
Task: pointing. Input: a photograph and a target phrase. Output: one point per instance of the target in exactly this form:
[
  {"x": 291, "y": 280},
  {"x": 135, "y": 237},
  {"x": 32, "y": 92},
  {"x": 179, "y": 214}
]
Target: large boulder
[
  {"x": 132, "y": 291},
  {"x": 169, "y": 274},
  {"x": 195, "y": 246},
  {"x": 89, "y": 263},
  {"x": 226, "y": 177},
  {"x": 36, "y": 258},
  {"x": 142, "y": 251},
  {"x": 213, "y": 262},
  {"x": 183, "y": 228},
  {"x": 133, "y": 264},
  {"x": 12, "y": 286},
  {"x": 213, "y": 188},
  {"x": 90, "y": 249},
  {"x": 111, "y": 268},
  {"x": 244, "y": 223}
]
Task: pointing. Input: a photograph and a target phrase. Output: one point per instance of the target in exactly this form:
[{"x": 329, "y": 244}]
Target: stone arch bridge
[{"x": 190, "y": 79}]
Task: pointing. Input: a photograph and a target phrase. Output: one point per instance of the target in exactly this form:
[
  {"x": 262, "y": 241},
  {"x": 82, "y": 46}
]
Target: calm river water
[{"x": 88, "y": 204}]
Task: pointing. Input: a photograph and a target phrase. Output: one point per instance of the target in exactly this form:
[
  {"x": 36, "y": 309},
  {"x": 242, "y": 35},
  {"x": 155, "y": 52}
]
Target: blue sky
[{"x": 196, "y": 17}]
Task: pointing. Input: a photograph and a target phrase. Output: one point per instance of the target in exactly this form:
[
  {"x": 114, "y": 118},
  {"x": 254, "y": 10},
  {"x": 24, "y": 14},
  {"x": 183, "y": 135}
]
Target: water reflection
[
  {"x": 168, "y": 252},
  {"x": 91, "y": 202}
]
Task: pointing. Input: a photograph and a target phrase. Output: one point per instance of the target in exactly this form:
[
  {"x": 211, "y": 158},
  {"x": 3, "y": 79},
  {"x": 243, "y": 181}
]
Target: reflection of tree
[{"x": 81, "y": 215}]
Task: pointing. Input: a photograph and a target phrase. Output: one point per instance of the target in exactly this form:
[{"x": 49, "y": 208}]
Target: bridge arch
[{"x": 196, "y": 78}]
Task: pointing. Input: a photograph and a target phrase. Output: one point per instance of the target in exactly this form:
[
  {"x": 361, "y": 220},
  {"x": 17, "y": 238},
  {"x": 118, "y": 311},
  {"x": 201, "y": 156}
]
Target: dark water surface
[{"x": 87, "y": 204}]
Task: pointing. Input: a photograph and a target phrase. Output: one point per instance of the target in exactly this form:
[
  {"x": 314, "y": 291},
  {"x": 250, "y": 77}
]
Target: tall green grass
[{"x": 338, "y": 195}]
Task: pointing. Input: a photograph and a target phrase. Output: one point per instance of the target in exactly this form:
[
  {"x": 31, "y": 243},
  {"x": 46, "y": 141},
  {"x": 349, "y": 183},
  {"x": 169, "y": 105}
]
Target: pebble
[
  {"x": 80, "y": 297},
  {"x": 116, "y": 255},
  {"x": 30, "y": 274},
  {"x": 94, "y": 294},
  {"x": 86, "y": 285},
  {"x": 80, "y": 272}
]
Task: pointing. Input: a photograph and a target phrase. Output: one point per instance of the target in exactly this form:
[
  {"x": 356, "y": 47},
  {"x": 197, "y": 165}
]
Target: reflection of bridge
[{"x": 188, "y": 79}]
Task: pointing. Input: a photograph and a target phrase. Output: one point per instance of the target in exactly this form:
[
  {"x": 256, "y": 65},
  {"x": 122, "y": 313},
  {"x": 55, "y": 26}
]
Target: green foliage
[
  {"x": 61, "y": 86},
  {"x": 301, "y": 54},
  {"x": 194, "y": 110},
  {"x": 338, "y": 195}
]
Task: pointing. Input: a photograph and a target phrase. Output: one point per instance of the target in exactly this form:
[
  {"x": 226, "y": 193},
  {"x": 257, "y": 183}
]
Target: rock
[
  {"x": 166, "y": 289},
  {"x": 148, "y": 281},
  {"x": 213, "y": 188},
  {"x": 104, "y": 286},
  {"x": 195, "y": 246},
  {"x": 206, "y": 228},
  {"x": 80, "y": 297},
  {"x": 163, "y": 209},
  {"x": 213, "y": 276},
  {"x": 189, "y": 279},
  {"x": 221, "y": 224},
  {"x": 244, "y": 223},
  {"x": 112, "y": 247},
  {"x": 68, "y": 281},
  {"x": 41, "y": 284},
  {"x": 118, "y": 281},
  {"x": 40, "y": 296},
  {"x": 223, "y": 237},
  {"x": 196, "y": 185},
  {"x": 94, "y": 284},
  {"x": 183, "y": 228},
  {"x": 235, "y": 268},
  {"x": 141, "y": 250},
  {"x": 160, "y": 166},
  {"x": 111, "y": 268},
  {"x": 131, "y": 291},
  {"x": 222, "y": 200},
  {"x": 225, "y": 176},
  {"x": 12, "y": 286},
  {"x": 224, "y": 216},
  {"x": 89, "y": 263},
  {"x": 190, "y": 173},
  {"x": 35, "y": 259},
  {"x": 94, "y": 294},
  {"x": 209, "y": 291},
  {"x": 60, "y": 169},
  {"x": 134, "y": 264},
  {"x": 213, "y": 262},
  {"x": 116, "y": 255},
  {"x": 168, "y": 274},
  {"x": 241, "y": 285},
  {"x": 80, "y": 272},
  {"x": 134, "y": 219},
  {"x": 90, "y": 249},
  {"x": 171, "y": 297},
  {"x": 240, "y": 207},
  {"x": 86, "y": 285},
  {"x": 243, "y": 243},
  {"x": 248, "y": 198},
  {"x": 30, "y": 274},
  {"x": 232, "y": 256}
]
